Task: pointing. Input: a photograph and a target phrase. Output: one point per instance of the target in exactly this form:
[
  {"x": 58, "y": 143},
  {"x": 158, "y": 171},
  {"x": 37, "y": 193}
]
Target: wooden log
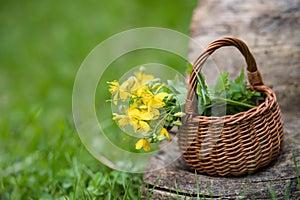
[{"x": 271, "y": 29}]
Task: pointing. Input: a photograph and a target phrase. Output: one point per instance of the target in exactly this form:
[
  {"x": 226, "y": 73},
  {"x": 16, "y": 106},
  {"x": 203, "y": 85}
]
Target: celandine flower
[
  {"x": 118, "y": 90},
  {"x": 143, "y": 78},
  {"x": 165, "y": 133},
  {"x": 138, "y": 119},
  {"x": 143, "y": 143}
]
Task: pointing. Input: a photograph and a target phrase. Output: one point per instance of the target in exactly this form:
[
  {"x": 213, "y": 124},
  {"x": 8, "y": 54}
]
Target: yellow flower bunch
[{"x": 147, "y": 106}]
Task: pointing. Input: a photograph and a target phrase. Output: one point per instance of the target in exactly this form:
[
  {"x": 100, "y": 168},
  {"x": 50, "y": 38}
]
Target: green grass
[
  {"x": 297, "y": 172},
  {"x": 42, "y": 44}
]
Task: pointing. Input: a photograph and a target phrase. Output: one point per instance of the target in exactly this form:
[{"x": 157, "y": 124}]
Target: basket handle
[{"x": 253, "y": 74}]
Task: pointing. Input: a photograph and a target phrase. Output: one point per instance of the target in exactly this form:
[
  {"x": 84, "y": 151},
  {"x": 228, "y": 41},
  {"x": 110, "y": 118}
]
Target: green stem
[
  {"x": 234, "y": 102},
  {"x": 160, "y": 121}
]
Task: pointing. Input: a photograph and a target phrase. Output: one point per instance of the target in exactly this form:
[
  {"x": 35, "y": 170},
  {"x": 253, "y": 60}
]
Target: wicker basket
[{"x": 233, "y": 144}]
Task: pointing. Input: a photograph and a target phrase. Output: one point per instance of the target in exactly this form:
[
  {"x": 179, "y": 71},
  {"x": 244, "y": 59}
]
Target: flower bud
[
  {"x": 116, "y": 116},
  {"x": 170, "y": 97},
  {"x": 169, "y": 118},
  {"x": 156, "y": 85},
  {"x": 143, "y": 107},
  {"x": 131, "y": 81},
  {"x": 179, "y": 114},
  {"x": 161, "y": 137},
  {"x": 177, "y": 123}
]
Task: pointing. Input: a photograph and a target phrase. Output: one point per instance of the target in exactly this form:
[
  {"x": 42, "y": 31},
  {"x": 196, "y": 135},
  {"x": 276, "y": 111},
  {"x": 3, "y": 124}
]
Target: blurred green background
[{"x": 42, "y": 44}]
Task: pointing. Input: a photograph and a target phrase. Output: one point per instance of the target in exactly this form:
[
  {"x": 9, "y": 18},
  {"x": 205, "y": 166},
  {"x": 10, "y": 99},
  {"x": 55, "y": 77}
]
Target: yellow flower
[
  {"x": 150, "y": 99},
  {"x": 123, "y": 120},
  {"x": 143, "y": 143},
  {"x": 133, "y": 84},
  {"x": 157, "y": 100},
  {"x": 154, "y": 113},
  {"x": 138, "y": 118},
  {"x": 114, "y": 85},
  {"x": 118, "y": 90},
  {"x": 142, "y": 77},
  {"x": 165, "y": 133},
  {"x": 143, "y": 92}
]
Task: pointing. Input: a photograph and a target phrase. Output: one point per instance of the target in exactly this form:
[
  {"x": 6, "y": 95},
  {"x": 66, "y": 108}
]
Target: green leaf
[
  {"x": 203, "y": 94},
  {"x": 257, "y": 94},
  {"x": 189, "y": 68},
  {"x": 221, "y": 83},
  {"x": 237, "y": 96},
  {"x": 249, "y": 94},
  {"x": 204, "y": 89},
  {"x": 201, "y": 107},
  {"x": 177, "y": 86},
  {"x": 240, "y": 78},
  {"x": 179, "y": 89}
]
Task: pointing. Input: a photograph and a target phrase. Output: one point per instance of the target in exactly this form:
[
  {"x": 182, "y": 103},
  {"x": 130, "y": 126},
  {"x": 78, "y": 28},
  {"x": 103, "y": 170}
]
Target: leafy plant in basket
[
  {"x": 147, "y": 107},
  {"x": 227, "y": 97}
]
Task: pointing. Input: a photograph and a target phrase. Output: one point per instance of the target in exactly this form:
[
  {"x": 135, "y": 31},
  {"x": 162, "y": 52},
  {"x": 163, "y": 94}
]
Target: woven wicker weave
[{"x": 233, "y": 144}]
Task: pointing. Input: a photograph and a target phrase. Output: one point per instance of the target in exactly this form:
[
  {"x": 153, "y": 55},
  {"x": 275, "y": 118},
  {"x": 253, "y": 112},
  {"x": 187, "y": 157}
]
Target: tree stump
[
  {"x": 178, "y": 181},
  {"x": 271, "y": 29}
]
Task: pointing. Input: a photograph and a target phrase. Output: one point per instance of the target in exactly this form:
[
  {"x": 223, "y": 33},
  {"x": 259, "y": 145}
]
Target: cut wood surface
[{"x": 271, "y": 29}]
